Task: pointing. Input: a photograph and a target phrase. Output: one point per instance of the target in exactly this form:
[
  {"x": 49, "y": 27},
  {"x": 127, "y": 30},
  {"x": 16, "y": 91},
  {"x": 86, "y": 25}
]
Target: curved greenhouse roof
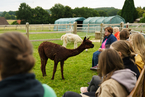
[
  {"x": 79, "y": 20},
  {"x": 98, "y": 20}
]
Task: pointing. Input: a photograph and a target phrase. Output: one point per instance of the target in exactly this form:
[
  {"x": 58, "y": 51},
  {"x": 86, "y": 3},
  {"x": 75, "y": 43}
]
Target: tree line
[{"x": 40, "y": 16}]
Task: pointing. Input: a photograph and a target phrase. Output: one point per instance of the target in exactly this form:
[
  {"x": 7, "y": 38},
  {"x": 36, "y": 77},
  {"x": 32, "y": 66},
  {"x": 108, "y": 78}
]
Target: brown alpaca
[{"x": 59, "y": 53}]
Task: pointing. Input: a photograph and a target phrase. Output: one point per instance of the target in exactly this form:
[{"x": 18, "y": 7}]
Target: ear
[
  {"x": 84, "y": 38},
  {"x": 88, "y": 38},
  {"x": 120, "y": 54},
  {"x": 129, "y": 29}
]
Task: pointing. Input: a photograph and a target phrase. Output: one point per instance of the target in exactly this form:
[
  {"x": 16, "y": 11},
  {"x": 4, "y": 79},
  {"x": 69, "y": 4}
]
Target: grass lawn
[{"x": 76, "y": 69}]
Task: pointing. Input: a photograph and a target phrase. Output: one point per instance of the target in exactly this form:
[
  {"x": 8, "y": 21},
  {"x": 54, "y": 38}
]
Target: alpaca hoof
[
  {"x": 52, "y": 78},
  {"x": 44, "y": 75},
  {"x": 63, "y": 78}
]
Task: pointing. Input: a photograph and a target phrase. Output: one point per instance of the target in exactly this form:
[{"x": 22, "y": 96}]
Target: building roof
[{"x": 3, "y": 21}]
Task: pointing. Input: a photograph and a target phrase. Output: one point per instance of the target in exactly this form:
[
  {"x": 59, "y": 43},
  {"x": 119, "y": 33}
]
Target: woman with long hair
[
  {"x": 127, "y": 54},
  {"x": 138, "y": 43},
  {"x": 112, "y": 71}
]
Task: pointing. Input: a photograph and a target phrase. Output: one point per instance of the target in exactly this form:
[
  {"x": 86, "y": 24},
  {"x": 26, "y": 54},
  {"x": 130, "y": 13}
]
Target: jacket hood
[{"x": 125, "y": 77}]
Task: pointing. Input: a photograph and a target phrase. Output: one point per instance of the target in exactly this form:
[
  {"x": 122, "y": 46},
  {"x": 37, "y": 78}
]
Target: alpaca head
[{"x": 87, "y": 43}]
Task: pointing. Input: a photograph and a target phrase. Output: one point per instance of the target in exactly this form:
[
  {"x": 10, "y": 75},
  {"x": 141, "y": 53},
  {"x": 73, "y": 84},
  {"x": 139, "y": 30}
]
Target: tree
[
  {"x": 85, "y": 12},
  {"x": 7, "y": 16},
  {"x": 3, "y": 14},
  {"x": 129, "y": 12},
  {"x": 119, "y": 12},
  {"x": 112, "y": 12},
  {"x": 57, "y": 11},
  {"x": 102, "y": 13},
  {"x": 144, "y": 8},
  {"x": 67, "y": 12},
  {"x": 140, "y": 11},
  {"x": 25, "y": 13},
  {"x": 40, "y": 16},
  {"x": 142, "y": 20}
]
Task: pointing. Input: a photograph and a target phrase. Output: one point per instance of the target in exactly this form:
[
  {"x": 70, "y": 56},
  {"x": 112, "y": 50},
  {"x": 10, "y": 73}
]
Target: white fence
[{"x": 71, "y": 28}]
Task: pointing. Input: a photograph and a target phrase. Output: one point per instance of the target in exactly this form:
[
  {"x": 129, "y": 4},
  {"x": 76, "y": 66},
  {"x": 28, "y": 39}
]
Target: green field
[
  {"x": 10, "y": 21},
  {"x": 76, "y": 69}
]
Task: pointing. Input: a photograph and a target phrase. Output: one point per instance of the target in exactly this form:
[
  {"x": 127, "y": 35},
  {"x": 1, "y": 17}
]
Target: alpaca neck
[{"x": 77, "y": 50}]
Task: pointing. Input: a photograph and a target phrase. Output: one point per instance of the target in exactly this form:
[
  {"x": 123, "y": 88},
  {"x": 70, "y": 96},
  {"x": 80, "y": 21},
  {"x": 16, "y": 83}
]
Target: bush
[
  {"x": 14, "y": 23},
  {"x": 142, "y": 20}
]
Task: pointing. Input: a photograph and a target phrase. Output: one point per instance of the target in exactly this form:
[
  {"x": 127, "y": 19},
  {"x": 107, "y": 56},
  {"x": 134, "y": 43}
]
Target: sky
[{"x": 13, "y": 5}]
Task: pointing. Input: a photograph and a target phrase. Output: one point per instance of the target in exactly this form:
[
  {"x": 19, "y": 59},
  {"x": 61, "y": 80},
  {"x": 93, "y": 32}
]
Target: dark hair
[
  {"x": 16, "y": 54},
  {"x": 109, "y": 61},
  {"x": 109, "y": 29}
]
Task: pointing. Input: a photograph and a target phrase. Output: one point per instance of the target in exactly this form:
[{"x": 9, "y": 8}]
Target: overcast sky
[{"x": 13, "y": 5}]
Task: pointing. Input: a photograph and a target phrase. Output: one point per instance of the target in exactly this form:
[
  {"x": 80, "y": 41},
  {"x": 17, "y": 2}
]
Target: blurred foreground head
[{"x": 15, "y": 54}]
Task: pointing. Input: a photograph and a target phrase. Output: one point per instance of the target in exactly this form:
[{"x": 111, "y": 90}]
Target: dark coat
[
  {"x": 21, "y": 85},
  {"x": 110, "y": 39},
  {"x": 130, "y": 65}
]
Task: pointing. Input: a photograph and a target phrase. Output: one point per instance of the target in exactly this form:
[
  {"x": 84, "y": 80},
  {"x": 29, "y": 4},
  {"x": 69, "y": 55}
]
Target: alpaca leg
[
  {"x": 54, "y": 69},
  {"x": 64, "y": 42},
  {"x": 61, "y": 64},
  {"x": 43, "y": 65},
  {"x": 75, "y": 44}
]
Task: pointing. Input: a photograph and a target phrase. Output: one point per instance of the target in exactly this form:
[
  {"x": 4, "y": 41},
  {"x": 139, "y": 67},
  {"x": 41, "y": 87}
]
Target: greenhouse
[
  {"x": 94, "y": 22},
  {"x": 79, "y": 20}
]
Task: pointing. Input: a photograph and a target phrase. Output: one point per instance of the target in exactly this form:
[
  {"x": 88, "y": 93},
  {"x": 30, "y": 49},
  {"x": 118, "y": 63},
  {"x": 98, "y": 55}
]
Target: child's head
[
  {"x": 109, "y": 61},
  {"x": 15, "y": 54},
  {"x": 124, "y": 48},
  {"x": 115, "y": 29},
  {"x": 124, "y": 34}
]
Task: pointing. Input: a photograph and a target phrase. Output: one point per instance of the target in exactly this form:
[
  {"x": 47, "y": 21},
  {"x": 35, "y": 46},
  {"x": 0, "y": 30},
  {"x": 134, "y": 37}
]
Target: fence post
[
  {"x": 127, "y": 25},
  {"x": 57, "y": 27},
  {"x": 75, "y": 28},
  {"x": 101, "y": 32},
  {"x": 27, "y": 29},
  {"x": 88, "y": 27},
  {"x": 42, "y": 27},
  {"x": 121, "y": 25}
]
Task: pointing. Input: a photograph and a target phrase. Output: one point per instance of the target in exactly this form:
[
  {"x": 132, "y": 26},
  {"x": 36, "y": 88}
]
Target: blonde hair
[
  {"x": 109, "y": 61},
  {"x": 124, "y": 47},
  {"x": 138, "y": 43},
  {"x": 15, "y": 54},
  {"x": 116, "y": 28}
]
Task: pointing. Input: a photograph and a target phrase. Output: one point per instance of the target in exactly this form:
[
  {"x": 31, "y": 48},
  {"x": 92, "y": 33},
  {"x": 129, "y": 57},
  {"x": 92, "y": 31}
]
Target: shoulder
[
  {"x": 48, "y": 91},
  {"x": 111, "y": 87},
  {"x": 138, "y": 57},
  {"x": 112, "y": 37},
  {"x": 109, "y": 82}
]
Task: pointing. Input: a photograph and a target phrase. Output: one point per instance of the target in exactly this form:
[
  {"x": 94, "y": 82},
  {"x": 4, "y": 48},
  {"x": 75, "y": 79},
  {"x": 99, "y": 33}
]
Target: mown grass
[{"x": 76, "y": 69}]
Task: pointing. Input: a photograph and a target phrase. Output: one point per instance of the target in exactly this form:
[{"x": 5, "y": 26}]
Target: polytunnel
[
  {"x": 94, "y": 22},
  {"x": 79, "y": 20}
]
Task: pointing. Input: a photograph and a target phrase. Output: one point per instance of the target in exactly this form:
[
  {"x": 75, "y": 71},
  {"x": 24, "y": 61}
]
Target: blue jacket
[{"x": 110, "y": 39}]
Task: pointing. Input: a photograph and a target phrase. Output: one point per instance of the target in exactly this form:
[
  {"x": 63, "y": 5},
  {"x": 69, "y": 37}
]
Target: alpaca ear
[
  {"x": 84, "y": 38},
  {"x": 88, "y": 38}
]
